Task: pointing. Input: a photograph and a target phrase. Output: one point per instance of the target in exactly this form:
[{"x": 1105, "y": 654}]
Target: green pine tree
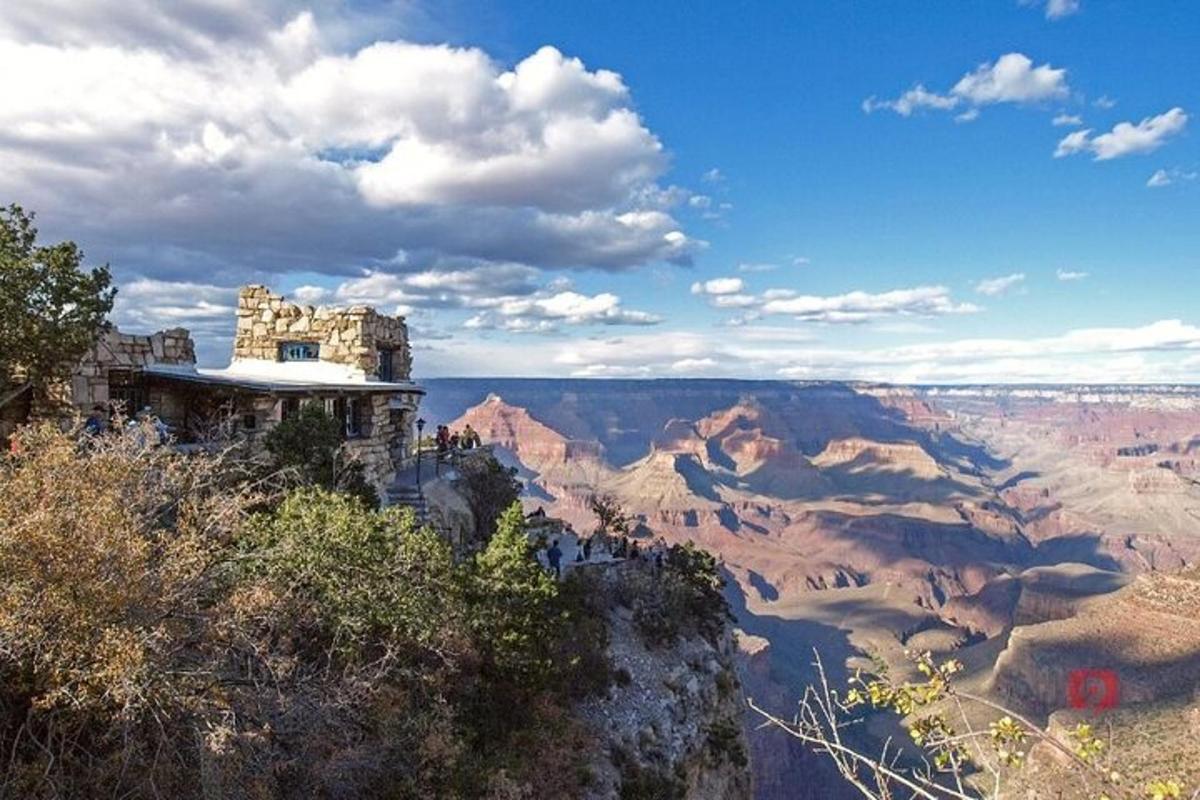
[
  {"x": 514, "y": 601},
  {"x": 51, "y": 310}
]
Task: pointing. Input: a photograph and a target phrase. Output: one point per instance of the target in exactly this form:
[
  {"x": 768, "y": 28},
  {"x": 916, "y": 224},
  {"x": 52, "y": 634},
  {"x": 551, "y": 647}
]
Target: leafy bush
[
  {"x": 647, "y": 783},
  {"x": 724, "y": 743},
  {"x": 308, "y": 445},
  {"x": 727, "y": 683},
  {"x": 701, "y": 587},
  {"x": 659, "y": 607},
  {"x": 684, "y": 597},
  {"x": 491, "y": 488},
  {"x": 611, "y": 519},
  {"x": 106, "y": 555},
  {"x": 376, "y": 584},
  {"x": 111, "y": 555},
  {"x": 581, "y": 652},
  {"x": 512, "y": 599}
]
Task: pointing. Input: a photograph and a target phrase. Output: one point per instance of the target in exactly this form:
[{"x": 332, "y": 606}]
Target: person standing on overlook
[
  {"x": 554, "y": 556},
  {"x": 657, "y": 553},
  {"x": 470, "y": 438}
]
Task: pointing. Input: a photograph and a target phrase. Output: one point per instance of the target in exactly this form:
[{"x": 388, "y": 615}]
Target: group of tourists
[
  {"x": 144, "y": 424},
  {"x": 655, "y": 554},
  {"x": 598, "y": 548},
  {"x": 446, "y": 440}
]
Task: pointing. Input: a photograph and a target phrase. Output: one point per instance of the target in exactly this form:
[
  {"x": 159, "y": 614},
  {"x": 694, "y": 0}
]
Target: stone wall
[
  {"x": 351, "y": 336},
  {"x": 116, "y": 350},
  {"x": 374, "y": 447}
]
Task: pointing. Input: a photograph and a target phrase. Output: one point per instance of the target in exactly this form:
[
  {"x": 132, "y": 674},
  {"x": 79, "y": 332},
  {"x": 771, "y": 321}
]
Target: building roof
[{"x": 283, "y": 377}]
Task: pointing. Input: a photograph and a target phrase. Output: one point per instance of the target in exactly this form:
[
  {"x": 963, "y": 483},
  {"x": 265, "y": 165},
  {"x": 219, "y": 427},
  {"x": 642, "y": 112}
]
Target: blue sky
[{"x": 936, "y": 192}]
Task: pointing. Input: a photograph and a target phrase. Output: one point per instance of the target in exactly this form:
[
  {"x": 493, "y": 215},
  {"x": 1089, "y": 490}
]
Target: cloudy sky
[{"x": 993, "y": 190}]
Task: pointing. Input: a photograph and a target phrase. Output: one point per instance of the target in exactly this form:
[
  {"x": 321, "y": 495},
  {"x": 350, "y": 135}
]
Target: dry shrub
[
  {"x": 112, "y": 553},
  {"x": 170, "y": 627}
]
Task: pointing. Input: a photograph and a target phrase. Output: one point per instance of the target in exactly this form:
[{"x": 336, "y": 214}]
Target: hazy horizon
[{"x": 800, "y": 381}]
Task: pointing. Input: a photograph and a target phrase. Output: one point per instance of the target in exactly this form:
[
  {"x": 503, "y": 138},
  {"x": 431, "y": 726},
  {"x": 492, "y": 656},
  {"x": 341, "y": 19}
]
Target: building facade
[{"x": 355, "y": 362}]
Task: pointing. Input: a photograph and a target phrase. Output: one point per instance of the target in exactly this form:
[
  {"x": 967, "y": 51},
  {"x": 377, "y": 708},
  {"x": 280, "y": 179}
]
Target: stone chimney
[{"x": 354, "y": 337}]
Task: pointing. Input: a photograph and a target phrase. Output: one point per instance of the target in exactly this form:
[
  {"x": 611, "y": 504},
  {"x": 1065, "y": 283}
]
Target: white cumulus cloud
[
  {"x": 916, "y": 98},
  {"x": 859, "y": 306},
  {"x": 851, "y": 307},
  {"x": 1057, "y": 9},
  {"x": 1160, "y": 178},
  {"x": 718, "y": 286},
  {"x": 1126, "y": 138},
  {"x": 734, "y": 301},
  {"x": 230, "y": 138},
  {"x": 545, "y": 311},
  {"x": 1012, "y": 78}
]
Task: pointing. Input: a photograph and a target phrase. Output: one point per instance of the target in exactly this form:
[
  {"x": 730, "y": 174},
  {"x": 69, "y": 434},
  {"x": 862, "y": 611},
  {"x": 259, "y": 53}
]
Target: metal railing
[{"x": 433, "y": 465}]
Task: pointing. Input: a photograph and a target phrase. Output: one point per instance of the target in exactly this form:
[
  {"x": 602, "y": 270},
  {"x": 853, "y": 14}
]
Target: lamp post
[{"x": 420, "y": 427}]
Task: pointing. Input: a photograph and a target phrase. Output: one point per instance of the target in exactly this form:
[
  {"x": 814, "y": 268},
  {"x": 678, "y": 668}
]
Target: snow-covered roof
[{"x": 283, "y": 376}]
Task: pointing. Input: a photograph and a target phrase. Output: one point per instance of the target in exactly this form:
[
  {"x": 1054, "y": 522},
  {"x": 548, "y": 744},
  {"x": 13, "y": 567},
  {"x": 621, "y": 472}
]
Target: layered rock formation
[
  {"x": 552, "y": 459},
  {"x": 1040, "y": 594},
  {"x": 858, "y": 455},
  {"x": 875, "y": 518}
]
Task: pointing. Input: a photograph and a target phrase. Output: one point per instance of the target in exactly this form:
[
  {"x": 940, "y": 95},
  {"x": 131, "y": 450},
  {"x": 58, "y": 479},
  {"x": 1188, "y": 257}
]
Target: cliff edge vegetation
[{"x": 181, "y": 626}]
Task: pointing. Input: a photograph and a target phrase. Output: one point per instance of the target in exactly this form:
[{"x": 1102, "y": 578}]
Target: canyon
[{"x": 1026, "y": 531}]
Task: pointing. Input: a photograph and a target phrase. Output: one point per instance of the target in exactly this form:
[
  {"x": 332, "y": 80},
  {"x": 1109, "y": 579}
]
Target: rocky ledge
[{"x": 670, "y": 725}]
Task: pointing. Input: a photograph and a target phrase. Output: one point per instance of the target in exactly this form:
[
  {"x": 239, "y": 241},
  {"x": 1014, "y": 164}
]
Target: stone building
[{"x": 356, "y": 362}]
